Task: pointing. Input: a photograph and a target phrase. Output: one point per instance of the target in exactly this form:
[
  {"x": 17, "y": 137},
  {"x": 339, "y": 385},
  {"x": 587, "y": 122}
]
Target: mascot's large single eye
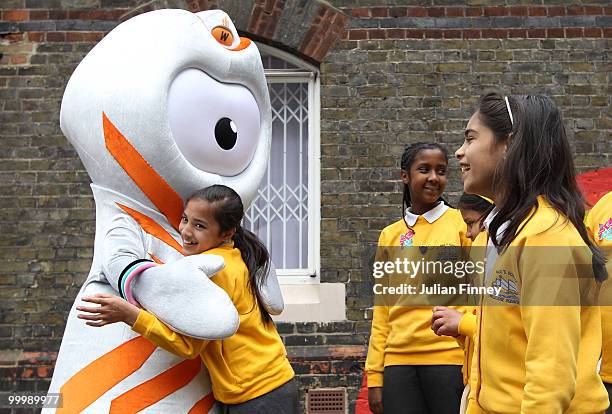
[
  {"x": 215, "y": 125},
  {"x": 226, "y": 133}
]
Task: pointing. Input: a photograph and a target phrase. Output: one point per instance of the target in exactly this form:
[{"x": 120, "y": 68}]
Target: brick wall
[{"x": 400, "y": 73}]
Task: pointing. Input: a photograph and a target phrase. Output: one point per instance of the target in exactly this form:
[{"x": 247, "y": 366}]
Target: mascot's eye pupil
[{"x": 226, "y": 133}]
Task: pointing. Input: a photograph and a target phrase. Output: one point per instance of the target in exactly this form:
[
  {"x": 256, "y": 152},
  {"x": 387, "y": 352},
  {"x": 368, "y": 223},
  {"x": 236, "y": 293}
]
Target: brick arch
[{"x": 305, "y": 28}]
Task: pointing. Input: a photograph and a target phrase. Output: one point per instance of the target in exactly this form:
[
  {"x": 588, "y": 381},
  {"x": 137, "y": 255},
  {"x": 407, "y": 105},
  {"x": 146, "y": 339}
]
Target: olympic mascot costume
[{"x": 167, "y": 103}]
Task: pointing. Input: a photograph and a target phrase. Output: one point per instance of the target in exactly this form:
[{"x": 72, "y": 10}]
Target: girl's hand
[
  {"x": 112, "y": 309},
  {"x": 375, "y": 400},
  {"x": 445, "y": 321}
]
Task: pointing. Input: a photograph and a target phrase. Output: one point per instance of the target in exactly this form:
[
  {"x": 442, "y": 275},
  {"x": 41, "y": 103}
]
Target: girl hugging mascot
[{"x": 167, "y": 103}]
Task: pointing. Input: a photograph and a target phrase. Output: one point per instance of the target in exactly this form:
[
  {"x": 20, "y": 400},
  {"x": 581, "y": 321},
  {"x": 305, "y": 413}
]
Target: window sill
[{"x": 313, "y": 302}]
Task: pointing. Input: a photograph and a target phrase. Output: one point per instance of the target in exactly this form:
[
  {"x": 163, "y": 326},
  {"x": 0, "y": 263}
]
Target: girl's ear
[
  {"x": 229, "y": 234},
  {"x": 507, "y": 142},
  {"x": 405, "y": 176}
]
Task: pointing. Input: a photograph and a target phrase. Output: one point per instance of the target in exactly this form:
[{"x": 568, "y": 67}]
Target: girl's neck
[{"x": 421, "y": 208}]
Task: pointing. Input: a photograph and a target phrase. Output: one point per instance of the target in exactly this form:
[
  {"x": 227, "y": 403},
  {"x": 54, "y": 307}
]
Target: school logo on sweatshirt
[
  {"x": 406, "y": 239},
  {"x": 605, "y": 230},
  {"x": 509, "y": 292}
]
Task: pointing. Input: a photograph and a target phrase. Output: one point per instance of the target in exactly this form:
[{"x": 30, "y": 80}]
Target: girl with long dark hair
[
  {"x": 536, "y": 348},
  {"x": 249, "y": 371}
]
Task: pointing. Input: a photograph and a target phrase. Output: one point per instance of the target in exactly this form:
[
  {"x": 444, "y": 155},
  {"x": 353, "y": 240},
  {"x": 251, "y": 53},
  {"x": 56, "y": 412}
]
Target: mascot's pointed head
[{"x": 171, "y": 101}]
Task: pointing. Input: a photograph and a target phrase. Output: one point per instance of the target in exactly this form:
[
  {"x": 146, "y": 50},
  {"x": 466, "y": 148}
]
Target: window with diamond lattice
[{"x": 285, "y": 212}]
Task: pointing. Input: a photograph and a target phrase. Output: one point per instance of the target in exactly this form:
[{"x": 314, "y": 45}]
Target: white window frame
[{"x": 310, "y": 74}]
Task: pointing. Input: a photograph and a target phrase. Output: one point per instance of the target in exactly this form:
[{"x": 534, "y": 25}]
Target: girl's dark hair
[
  {"x": 474, "y": 202},
  {"x": 228, "y": 212},
  {"x": 408, "y": 157},
  {"x": 538, "y": 161}
]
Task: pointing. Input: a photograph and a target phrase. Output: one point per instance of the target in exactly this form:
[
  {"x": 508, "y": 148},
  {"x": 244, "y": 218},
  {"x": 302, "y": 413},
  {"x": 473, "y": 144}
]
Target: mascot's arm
[
  {"x": 271, "y": 293},
  {"x": 179, "y": 293},
  {"x": 154, "y": 330},
  {"x": 123, "y": 244}
]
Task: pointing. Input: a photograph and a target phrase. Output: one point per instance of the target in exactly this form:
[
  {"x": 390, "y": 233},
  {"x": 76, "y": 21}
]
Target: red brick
[
  {"x": 35, "y": 36},
  {"x": 13, "y": 37},
  {"x": 192, "y": 6},
  {"x": 323, "y": 48},
  {"x": 473, "y": 11},
  {"x": 455, "y": 11},
  {"x": 435, "y": 12},
  {"x": 377, "y": 34},
  {"x": 592, "y": 32},
  {"x": 417, "y": 12},
  {"x": 200, "y": 5},
  {"x": 208, "y": 4},
  {"x": 414, "y": 34},
  {"x": 555, "y": 32},
  {"x": 597, "y": 11},
  {"x": 575, "y": 10},
  {"x": 574, "y": 32},
  {"x": 39, "y": 14},
  {"x": 360, "y": 12},
  {"x": 19, "y": 59},
  {"x": 398, "y": 11},
  {"x": 519, "y": 33},
  {"x": 537, "y": 11},
  {"x": 58, "y": 14},
  {"x": 452, "y": 34},
  {"x": 56, "y": 36},
  {"x": 494, "y": 33},
  {"x": 357, "y": 34},
  {"x": 495, "y": 11},
  {"x": 113, "y": 14},
  {"x": 396, "y": 33},
  {"x": 607, "y": 31},
  {"x": 608, "y": 11},
  {"x": 471, "y": 34},
  {"x": 15, "y": 15},
  {"x": 265, "y": 17},
  {"x": 518, "y": 11},
  {"x": 74, "y": 36},
  {"x": 556, "y": 11},
  {"x": 536, "y": 33},
  {"x": 93, "y": 36},
  {"x": 433, "y": 34},
  {"x": 379, "y": 12}
]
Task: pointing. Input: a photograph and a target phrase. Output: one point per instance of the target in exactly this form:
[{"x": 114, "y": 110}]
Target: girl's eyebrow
[{"x": 470, "y": 131}]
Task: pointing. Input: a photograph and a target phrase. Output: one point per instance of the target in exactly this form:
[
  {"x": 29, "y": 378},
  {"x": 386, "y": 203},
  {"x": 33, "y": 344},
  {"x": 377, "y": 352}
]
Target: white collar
[
  {"x": 501, "y": 229},
  {"x": 487, "y": 221},
  {"x": 431, "y": 215}
]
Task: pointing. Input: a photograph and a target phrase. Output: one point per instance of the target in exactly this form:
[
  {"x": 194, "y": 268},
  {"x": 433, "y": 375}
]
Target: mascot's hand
[
  {"x": 182, "y": 295},
  {"x": 271, "y": 293}
]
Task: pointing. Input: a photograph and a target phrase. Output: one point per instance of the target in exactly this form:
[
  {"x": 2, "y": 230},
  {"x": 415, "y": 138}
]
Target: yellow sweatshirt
[
  {"x": 402, "y": 335},
  {"x": 467, "y": 324},
  {"x": 599, "y": 223},
  {"x": 244, "y": 366},
  {"x": 537, "y": 359},
  {"x": 467, "y": 329}
]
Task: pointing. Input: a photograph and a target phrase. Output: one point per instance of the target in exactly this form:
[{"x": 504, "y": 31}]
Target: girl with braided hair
[{"x": 410, "y": 369}]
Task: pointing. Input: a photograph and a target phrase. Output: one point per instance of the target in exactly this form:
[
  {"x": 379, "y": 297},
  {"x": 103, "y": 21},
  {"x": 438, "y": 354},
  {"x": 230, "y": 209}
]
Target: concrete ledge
[{"x": 321, "y": 302}]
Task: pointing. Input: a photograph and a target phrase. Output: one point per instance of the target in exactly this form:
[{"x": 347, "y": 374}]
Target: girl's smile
[
  {"x": 479, "y": 157},
  {"x": 199, "y": 229}
]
